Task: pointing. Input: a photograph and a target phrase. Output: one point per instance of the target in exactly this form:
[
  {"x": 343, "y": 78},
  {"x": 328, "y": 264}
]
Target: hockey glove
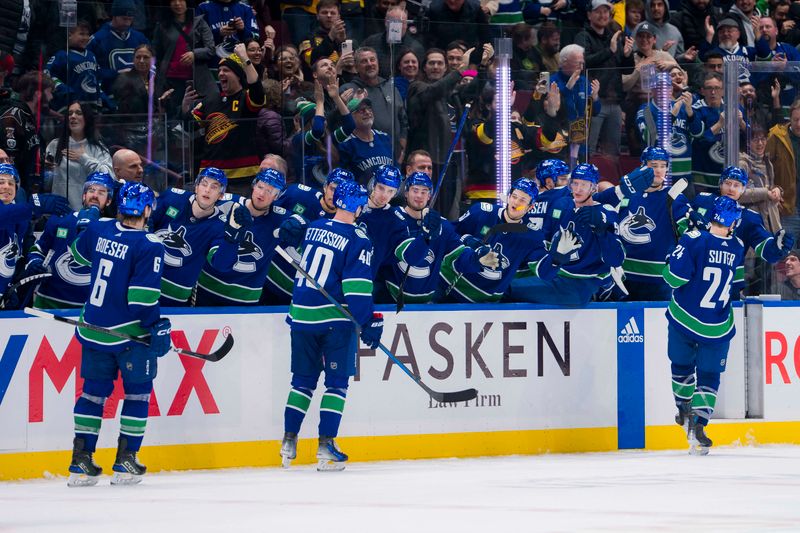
[
  {"x": 160, "y": 342},
  {"x": 696, "y": 221},
  {"x": 784, "y": 241},
  {"x": 35, "y": 266},
  {"x": 567, "y": 243},
  {"x": 595, "y": 217},
  {"x": 487, "y": 257},
  {"x": 471, "y": 242},
  {"x": 636, "y": 181},
  {"x": 239, "y": 220},
  {"x": 9, "y": 300},
  {"x": 431, "y": 225},
  {"x": 86, "y": 216},
  {"x": 48, "y": 204},
  {"x": 371, "y": 331},
  {"x": 292, "y": 231}
]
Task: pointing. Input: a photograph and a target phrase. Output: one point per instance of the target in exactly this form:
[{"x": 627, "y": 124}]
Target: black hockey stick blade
[
  {"x": 451, "y": 397},
  {"x": 214, "y": 356}
]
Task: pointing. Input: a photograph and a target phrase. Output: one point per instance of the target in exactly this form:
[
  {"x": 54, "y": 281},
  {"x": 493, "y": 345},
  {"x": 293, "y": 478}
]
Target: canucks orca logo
[
  {"x": 8, "y": 259},
  {"x": 495, "y": 275},
  {"x": 71, "y": 271},
  {"x": 248, "y": 248},
  {"x": 418, "y": 272},
  {"x": 679, "y": 144},
  {"x": 631, "y": 226},
  {"x": 717, "y": 153},
  {"x": 174, "y": 240}
]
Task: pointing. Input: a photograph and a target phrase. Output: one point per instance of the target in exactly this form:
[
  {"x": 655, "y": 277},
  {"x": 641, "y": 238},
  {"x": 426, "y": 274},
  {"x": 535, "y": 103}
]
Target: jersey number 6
[{"x": 100, "y": 284}]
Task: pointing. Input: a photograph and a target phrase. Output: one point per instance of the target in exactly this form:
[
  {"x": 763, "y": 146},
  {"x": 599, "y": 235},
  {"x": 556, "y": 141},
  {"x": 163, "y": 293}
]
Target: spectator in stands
[
  {"x": 6, "y": 67},
  {"x": 634, "y": 14},
  {"x": 386, "y": 104},
  {"x": 419, "y": 161},
  {"x": 545, "y": 52},
  {"x": 288, "y": 71},
  {"x": 451, "y": 20},
  {"x": 524, "y": 69},
  {"x": 346, "y": 67},
  {"x": 454, "y": 53},
  {"x": 256, "y": 54},
  {"x": 406, "y": 71},
  {"x": 690, "y": 21},
  {"x": 327, "y": 38},
  {"x": 183, "y": 46},
  {"x": 746, "y": 15},
  {"x": 298, "y": 16},
  {"x": 367, "y": 148},
  {"x": 229, "y": 120},
  {"x": 780, "y": 53},
  {"x": 131, "y": 89},
  {"x": 127, "y": 165},
  {"x": 77, "y": 153},
  {"x": 19, "y": 135},
  {"x": 379, "y": 42},
  {"x": 668, "y": 37},
  {"x": 610, "y": 53},
  {"x": 761, "y": 194},
  {"x": 75, "y": 70},
  {"x": 229, "y": 20},
  {"x": 757, "y": 113},
  {"x": 790, "y": 288},
  {"x": 270, "y": 134},
  {"x": 375, "y": 14},
  {"x": 729, "y": 47},
  {"x": 783, "y": 150},
  {"x": 113, "y": 44}
]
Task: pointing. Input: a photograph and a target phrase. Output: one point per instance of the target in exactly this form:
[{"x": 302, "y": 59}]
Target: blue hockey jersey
[
  {"x": 362, "y": 157},
  {"x": 708, "y": 150},
  {"x": 75, "y": 74},
  {"x": 69, "y": 285},
  {"x": 126, "y": 267},
  {"x": 337, "y": 255},
  {"x": 515, "y": 250},
  {"x": 542, "y": 208},
  {"x": 114, "y": 52},
  {"x": 189, "y": 243},
  {"x": 243, "y": 284},
  {"x": 217, "y": 14},
  {"x": 386, "y": 231},
  {"x": 680, "y": 143},
  {"x": 14, "y": 220},
  {"x": 701, "y": 271}
]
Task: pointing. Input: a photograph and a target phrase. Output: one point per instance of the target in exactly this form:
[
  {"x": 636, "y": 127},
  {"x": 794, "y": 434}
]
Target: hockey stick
[
  {"x": 458, "y": 396},
  {"x": 672, "y": 194},
  {"x": 503, "y": 227},
  {"x": 23, "y": 282},
  {"x": 438, "y": 187},
  {"x": 32, "y": 291},
  {"x": 214, "y": 356}
]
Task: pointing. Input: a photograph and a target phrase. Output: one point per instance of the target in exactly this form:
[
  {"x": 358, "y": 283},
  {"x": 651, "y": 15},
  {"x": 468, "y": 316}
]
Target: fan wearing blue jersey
[
  {"x": 366, "y": 148},
  {"x": 701, "y": 271},
  {"x": 310, "y": 204},
  {"x": 769, "y": 247},
  {"x": 195, "y": 231},
  {"x": 337, "y": 254},
  {"x": 126, "y": 264},
  {"x": 243, "y": 284},
  {"x": 588, "y": 267},
  {"x": 431, "y": 243},
  {"x": 69, "y": 285},
  {"x": 553, "y": 177}
]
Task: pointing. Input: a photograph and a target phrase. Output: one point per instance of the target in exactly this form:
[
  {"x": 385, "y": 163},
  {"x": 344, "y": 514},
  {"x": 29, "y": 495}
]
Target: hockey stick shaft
[
  {"x": 453, "y": 144},
  {"x": 677, "y": 188},
  {"x": 32, "y": 291},
  {"x": 213, "y": 357},
  {"x": 439, "y": 396}
]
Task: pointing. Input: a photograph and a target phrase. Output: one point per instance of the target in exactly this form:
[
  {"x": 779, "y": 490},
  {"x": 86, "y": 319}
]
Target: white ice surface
[{"x": 733, "y": 489}]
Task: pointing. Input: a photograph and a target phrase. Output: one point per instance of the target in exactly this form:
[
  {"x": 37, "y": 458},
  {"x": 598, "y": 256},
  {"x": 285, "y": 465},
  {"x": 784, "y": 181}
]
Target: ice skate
[
  {"x": 288, "y": 449},
  {"x": 329, "y": 457},
  {"x": 684, "y": 416},
  {"x": 83, "y": 471},
  {"x": 699, "y": 441},
  {"x": 127, "y": 469}
]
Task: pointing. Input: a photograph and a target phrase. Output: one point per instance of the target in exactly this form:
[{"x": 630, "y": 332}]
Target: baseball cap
[
  {"x": 600, "y": 3},
  {"x": 356, "y": 103},
  {"x": 645, "y": 27},
  {"x": 727, "y": 22}
]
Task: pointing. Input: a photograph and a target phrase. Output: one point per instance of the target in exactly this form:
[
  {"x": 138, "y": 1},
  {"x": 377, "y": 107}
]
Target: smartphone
[
  {"x": 394, "y": 35},
  {"x": 347, "y": 46},
  {"x": 543, "y": 84}
]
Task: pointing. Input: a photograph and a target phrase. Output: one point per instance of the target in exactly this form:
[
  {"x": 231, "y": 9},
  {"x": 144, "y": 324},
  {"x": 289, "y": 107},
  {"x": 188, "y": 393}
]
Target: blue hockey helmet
[
  {"x": 654, "y": 153},
  {"x": 726, "y": 211},
  {"x": 388, "y": 175},
  {"x": 134, "y": 197},
  {"x": 103, "y": 179},
  {"x": 349, "y": 196},
  {"x": 550, "y": 168},
  {"x": 339, "y": 176},
  {"x": 526, "y": 185},
  {"x": 10, "y": 170},
  {"x": 215, "y": 174},
  {"x": 734, "y": 173},
  {"x": 586, "y": 171},
  {"x": 420, "y": 179},
  {"x": 273, "y": 177}
]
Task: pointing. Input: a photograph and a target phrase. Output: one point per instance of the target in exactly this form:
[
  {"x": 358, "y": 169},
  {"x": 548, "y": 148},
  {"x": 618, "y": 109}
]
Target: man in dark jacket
[
  {"x": 690, "y": 20},
  {"x": 457, "y": 19},
  {"x": 611, "y": 55},
  {"x": 378, "y": 41}
]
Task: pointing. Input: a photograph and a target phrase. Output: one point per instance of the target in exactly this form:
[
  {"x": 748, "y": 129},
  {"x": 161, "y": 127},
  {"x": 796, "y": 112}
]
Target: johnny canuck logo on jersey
[
  {"x": 636, "y": 227},
  {"x": 630, "y": 333},
  {"x": 249, "y": 254},
  {"x": 174, "y": 241}
]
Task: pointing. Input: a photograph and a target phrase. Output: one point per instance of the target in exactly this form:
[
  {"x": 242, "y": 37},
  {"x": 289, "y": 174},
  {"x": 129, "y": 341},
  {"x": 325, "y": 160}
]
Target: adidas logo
[{"x": 630, "y": 333}]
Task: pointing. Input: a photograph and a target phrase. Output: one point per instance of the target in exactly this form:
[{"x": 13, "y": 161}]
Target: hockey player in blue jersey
[
  {"x": 589, "y": 267},
  {"x": 194, "y": 231},
  {"x": 69, "y": 285},
  {"x": 769, "y": 247},
  {"x": 515, "y": 251},
  {"x": 701, "y": 271},
  {"x": 272, "y": 225},
  {"x": 337, "y": 254},
  {"x": 126, "y": 264},
  {"x": 647, "y": 222},
  {"x": 310, "y": 204},
  {"x": 431, "y": 243},
  {"x": 552, "y": 175}
]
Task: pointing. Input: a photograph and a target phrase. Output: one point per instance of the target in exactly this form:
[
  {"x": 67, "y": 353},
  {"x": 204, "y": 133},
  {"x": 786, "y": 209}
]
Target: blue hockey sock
[
  {"x": 88, "y": 411},
  {"x": 332, "y": 405},
  {"x": 683, "y": 383},
  {"x": 705, "y": 396},
  {"x": 298, "y": 402},
  {"x": 134, "y": 413}
]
